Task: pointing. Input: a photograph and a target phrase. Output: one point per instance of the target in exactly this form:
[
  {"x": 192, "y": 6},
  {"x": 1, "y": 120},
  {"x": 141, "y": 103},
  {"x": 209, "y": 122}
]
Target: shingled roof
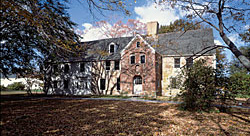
[
  {"x": 174, "y": 44},
  {"x": 183, "y": 43}
]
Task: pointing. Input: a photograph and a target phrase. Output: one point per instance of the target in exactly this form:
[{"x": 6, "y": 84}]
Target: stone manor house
[{"x": 138, "y": 65}]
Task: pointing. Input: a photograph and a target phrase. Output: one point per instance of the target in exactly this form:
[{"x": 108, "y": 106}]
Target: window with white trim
[
  {"x": 176, "y": 62},
  {"x": 138, "y": 44},
  {"x": 111, "y": 48},
  {"x": 108, "y": 65},
  {"x": 143, "y": 59},
  {"x": 132, "y": 59}
]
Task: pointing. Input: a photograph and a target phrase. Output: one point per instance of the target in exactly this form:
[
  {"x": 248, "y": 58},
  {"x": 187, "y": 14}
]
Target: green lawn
[{"x": 9, "y": 92}]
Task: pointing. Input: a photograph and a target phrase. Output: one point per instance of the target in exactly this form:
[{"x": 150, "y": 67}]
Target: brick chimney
[{"x": 152, "y": 28}]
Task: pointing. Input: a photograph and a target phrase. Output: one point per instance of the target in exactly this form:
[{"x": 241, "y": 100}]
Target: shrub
[
  {"x": 2, "y": 88},
  {"x": 240, "y": 84},
  {"x": 199, "y": 87},
  {"x": 16, "y": 86}
]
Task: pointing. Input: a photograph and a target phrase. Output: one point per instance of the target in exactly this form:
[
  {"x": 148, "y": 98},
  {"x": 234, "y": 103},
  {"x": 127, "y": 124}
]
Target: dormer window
[
  {"x": 138, "y": 44},
  {"x": 112, "y": 48}
]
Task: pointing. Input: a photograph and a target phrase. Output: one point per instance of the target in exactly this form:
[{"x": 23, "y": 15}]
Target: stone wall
[{"x": 170, "y": 72}]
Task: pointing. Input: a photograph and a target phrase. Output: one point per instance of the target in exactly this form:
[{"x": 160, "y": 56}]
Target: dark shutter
[
  {"x": 118, "y": 84},
  {"x": 117, "y": 63},
  {"x": 82, "y": 67},
  {"x": 102, "y": 84}
]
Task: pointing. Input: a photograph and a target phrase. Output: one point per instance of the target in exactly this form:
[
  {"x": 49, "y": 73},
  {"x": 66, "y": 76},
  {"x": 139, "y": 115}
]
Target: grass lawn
[
  {"x": 99, "y": 117},
  {"x": 20, "y": 92}
]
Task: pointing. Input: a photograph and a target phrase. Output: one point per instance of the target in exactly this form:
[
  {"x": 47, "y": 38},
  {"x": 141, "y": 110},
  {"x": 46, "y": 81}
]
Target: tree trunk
[{"x": 243, "y": 59}]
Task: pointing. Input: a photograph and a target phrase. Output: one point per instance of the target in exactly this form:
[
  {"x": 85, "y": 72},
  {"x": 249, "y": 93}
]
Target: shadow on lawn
[
  {"x": 80, "y": 117},
  {"x": 99, "y": 117},
  {"x": 233, "y": 122}
]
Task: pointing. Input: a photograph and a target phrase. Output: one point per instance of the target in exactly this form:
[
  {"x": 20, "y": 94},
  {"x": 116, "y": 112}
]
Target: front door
[{"x": 137, "y": 85}]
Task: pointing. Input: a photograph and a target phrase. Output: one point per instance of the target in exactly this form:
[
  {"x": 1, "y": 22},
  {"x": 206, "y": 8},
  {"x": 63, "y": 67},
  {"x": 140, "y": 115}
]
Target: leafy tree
[
  {"x": 239, "y": 79},
  {"x": 30, "y": 31},
  {"x": 225, "y": 16},
  {"x": 16, "y": 86},
  {"x": 245, "y": 36},
  {"x": 240, "y": 84},
  {"x": 179, "y": 25},
  {"x": 199, "y": 86},
  {"x": 118, "y": 29}
]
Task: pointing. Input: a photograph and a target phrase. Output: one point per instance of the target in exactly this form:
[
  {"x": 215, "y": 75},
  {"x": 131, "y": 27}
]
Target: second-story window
[
  {"x": 107, "y": 65},
  {"x": 112, "y": 48},
  {"x": 189, "y": 62},
  {"x": 176, "y": 62},
  {"x": 138, "y": 44},
  {"x": 82, "y": 67},
  {"x": 117, "y": 63},
  {"x": 132, "y": 59},
  {"x": 66, "y": 68},
  {"x": 143, "y": 59}
]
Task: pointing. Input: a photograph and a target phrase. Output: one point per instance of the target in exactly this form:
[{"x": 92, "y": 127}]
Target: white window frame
[
  {"x": 114, "y": 47},
  {"x": 145, "y": 58},
  {"x": 137, "y": 44},
  {"x": 179, "y": 62},
  {"x": 131, "y": 59}
]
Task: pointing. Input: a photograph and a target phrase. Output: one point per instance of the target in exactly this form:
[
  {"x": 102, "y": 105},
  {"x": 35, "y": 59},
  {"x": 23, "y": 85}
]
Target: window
[
  {"x": 66, "y": 68},
  {"x": 138, "y": 44},
  {"x": 82, "y": 67},
  {"x": 189, "y": 62},
  {"x": 117, "y": 63},
  {"x": 118, "y": 83},
  {"x": 132, "y": 59},
  {"x": 55, "y": 84},
  {"x": 102, "y": 84},
  {"x": 55, "y": 68},
  {"x": 176, "y": 62},
  {"x": 66, "y": 84},
  {"x": 137, "y": 80},
  {"x": 112, "y": 48},
  {"x": 107, "y": 65},
  {"x": 142, "y": 59},
  {"x": 173, "y": 83}
]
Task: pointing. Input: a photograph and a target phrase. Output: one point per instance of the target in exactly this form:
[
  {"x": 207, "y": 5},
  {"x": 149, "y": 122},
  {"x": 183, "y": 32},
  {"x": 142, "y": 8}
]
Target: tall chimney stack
[{"x": 152, "y": 28}]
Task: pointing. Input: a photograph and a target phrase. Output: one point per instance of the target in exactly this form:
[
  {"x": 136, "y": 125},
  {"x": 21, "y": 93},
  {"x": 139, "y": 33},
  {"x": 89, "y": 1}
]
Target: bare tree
[{"x": 225, "y": 16}]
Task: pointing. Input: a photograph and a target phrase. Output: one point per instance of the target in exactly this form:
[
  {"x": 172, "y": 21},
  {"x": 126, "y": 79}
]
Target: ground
[{"x": 99, "y": 117}]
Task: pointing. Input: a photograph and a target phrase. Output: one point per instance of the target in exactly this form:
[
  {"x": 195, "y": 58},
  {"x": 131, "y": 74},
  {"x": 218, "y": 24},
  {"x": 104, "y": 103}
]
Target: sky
[{"x": 143, "y": 10}]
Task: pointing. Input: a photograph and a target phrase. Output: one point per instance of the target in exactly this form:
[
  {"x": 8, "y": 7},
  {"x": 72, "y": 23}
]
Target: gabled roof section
[
  {"x": 172, "y": 44},
  {"x": 135, "y": 37},
  {"x": 99, "y": 49},
  {"x": 183, "y": 43}
]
